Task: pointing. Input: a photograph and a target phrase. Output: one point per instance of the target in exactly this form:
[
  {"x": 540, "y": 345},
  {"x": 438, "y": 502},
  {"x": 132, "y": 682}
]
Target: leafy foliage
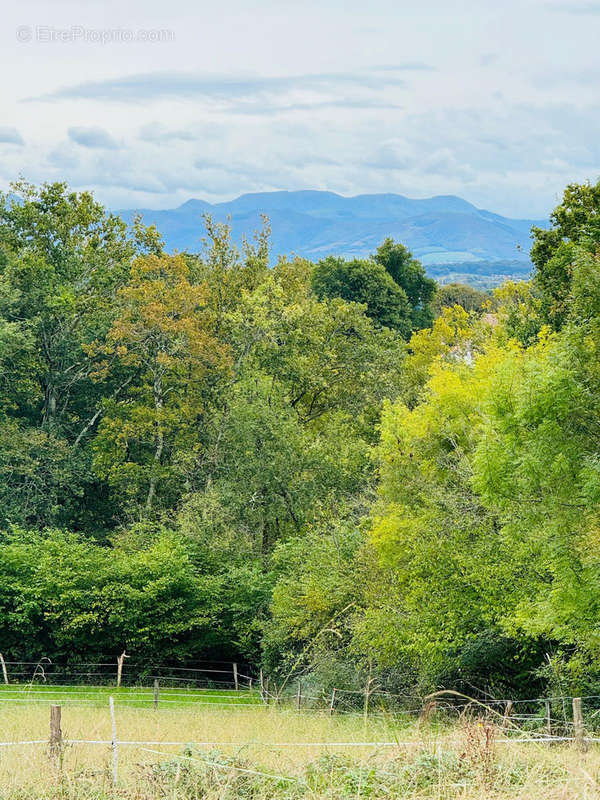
[
  {"x": 409, "y": 274},
  {"x": 460, "y": 294},
  {"x": 201, "y": 455},
  {"x": 168, "y": 421},
  {"x": 368, "y": 283},
  {"x": 575, "y": 223}
]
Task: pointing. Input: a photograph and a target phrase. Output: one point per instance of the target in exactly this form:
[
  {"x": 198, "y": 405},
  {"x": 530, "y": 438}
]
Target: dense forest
[{"x": 332, "y": 468}]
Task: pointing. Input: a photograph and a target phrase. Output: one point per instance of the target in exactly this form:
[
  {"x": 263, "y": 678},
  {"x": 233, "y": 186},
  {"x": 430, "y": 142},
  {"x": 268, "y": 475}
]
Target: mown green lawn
[{"x": 134, "y": 696}]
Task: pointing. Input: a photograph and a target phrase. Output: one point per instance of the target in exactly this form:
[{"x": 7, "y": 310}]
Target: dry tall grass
[{"x": 292, "y": 751}]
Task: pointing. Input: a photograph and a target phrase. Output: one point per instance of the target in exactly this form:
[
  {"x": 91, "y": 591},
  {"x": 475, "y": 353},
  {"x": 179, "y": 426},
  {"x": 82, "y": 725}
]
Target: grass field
[
  {"x": 217, "y": 749},
  {"x": 134, "y": 696}
]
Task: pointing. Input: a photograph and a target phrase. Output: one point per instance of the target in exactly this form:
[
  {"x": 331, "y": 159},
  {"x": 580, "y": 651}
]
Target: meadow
[
  {"x": 222, "y": 744},
  {"x": 130, "y": 696}
]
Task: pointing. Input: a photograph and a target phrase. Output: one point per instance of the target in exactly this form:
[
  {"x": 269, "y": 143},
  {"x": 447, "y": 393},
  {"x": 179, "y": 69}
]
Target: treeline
[
  {"x": 332, "y": 468},
  {"x": 167, "y": 422}
]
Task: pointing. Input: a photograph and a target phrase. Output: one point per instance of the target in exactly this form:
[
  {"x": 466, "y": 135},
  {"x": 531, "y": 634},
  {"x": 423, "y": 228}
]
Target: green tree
[
  {"x": 432, "y": 533},
  {"x": 289, "y": 435},
  {"x": 315, "y": 598},
  {"x": 368, "y": 283},
  {"x": 62, "y": 257},
  {"x": 459, "y": 294},
  {"x": 409, "y": 274},
  {"x": 574, "y": 222},
  {"x": 63, "y": 596},
  {"x": 536, "y": 467}
]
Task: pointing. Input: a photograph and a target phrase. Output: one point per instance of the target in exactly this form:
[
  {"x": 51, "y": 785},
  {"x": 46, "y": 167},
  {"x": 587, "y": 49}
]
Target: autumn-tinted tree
[{"x": 163, "y": 339}]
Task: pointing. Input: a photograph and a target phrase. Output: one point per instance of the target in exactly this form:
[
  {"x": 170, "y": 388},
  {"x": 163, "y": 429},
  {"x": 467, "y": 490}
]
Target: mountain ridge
[{"x": 442, "y": 229}]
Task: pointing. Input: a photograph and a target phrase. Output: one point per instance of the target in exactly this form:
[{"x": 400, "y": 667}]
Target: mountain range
[{"x": 444, "y": 232}]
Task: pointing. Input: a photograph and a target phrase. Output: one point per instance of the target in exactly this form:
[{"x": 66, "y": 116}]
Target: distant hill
[{"x": 443, "y": 230}]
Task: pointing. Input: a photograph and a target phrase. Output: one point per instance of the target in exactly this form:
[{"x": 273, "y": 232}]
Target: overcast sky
[{"x": 493, "y": 100}]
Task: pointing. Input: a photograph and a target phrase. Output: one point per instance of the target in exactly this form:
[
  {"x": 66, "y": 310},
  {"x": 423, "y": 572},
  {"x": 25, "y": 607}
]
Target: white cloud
[
  {"x": 94, "y": 137},
  {"x": 492, "y": 101},
  {"x": 578, "y": 9},
  {"x": 10, "y": 135}
]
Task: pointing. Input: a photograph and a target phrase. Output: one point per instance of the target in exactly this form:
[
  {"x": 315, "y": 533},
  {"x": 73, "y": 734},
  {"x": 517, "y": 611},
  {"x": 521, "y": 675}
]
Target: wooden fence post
[
  {"x": 548, "y": 718},
  {"x": 367, "y": 696},
  {"x": 299, "y": 696},
  {"x": 120, "y": 661},
  {"x": 578, "y": 723},
  {"x": 4, "y": 672},
  {"x": 507, "y": 711},
  {"x": 114, "y": 743},
  {"x": 235, "y": 677},
  {"x": 156, "y": 692},
  {"x": 262, "y": 687},
  {"x": 332, "y": 704},
  {"x": 55, "y": 731}
]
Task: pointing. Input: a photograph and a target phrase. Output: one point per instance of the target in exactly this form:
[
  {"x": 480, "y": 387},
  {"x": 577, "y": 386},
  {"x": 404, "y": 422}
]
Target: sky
[{"x": 151, "y": 103}]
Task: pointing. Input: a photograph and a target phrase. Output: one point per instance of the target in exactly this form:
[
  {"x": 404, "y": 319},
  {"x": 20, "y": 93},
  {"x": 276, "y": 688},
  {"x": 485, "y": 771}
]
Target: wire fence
[
  {"x": 121, "y": 671},
  {"x": 556, "y": 716},
  {"x": 223, "y": 686},
  {"x": 496, "y": 715},
  {"x": 511, "y": 732},
  {"x": 388, "y": 722}
]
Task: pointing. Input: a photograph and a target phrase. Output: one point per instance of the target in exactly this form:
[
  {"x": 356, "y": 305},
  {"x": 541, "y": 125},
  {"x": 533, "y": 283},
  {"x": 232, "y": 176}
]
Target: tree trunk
[{"x": 49, "y": 411}]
